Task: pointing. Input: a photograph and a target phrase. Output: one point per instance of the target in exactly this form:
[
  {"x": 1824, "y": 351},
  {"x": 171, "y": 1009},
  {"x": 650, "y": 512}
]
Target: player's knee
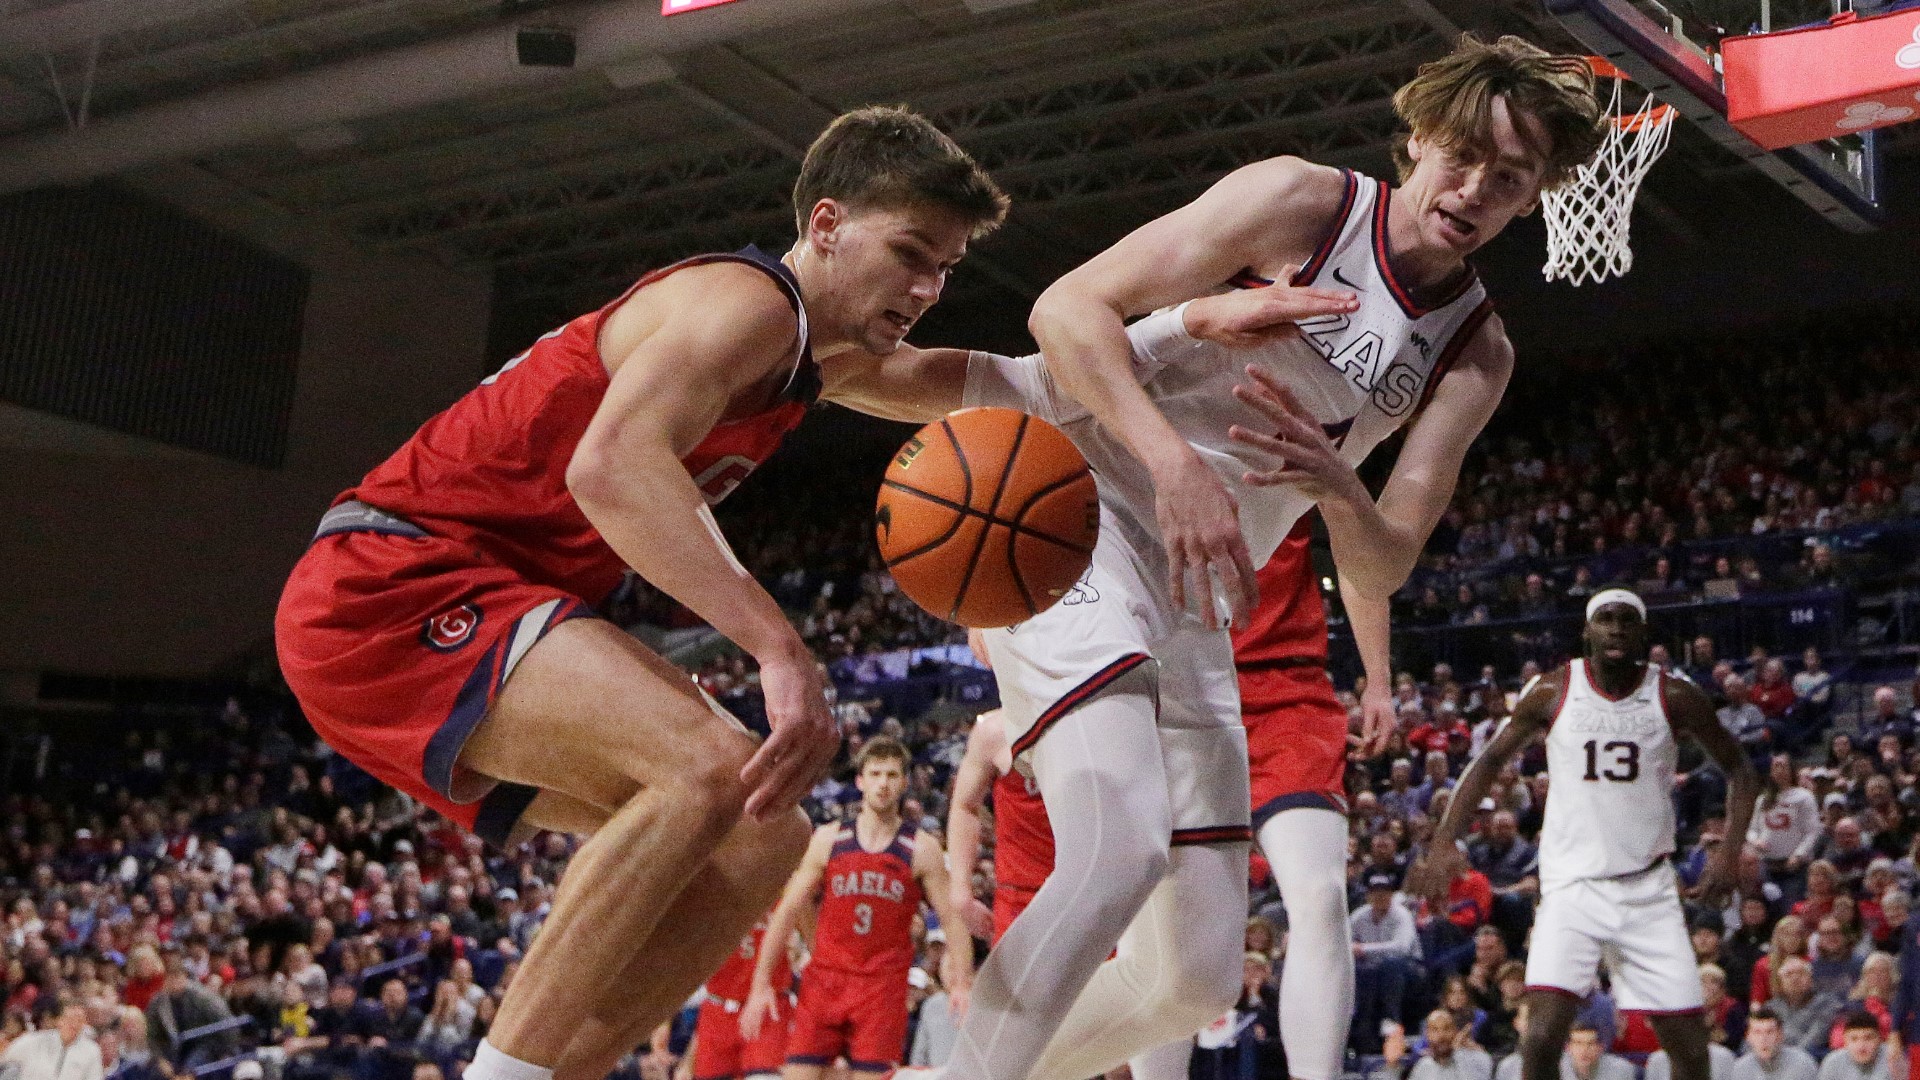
[
  {"x": 710, "y": 790},
  {"x": 1318, "y": 900},
  {"x": 1202, "y": 983}
]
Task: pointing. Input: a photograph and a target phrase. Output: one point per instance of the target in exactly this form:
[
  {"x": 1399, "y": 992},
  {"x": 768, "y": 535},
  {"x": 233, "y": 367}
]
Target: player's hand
[
  {"x": 1255, "y": 316},
  {"x": 1377, "y": 719},
  {"x": 1434, "y": 872},
  {"x": 1309, "y": 460},
  {"x": 1717, "y": 877},
  {"x": 762, "y": 1004},
  {"x": 804, "y": 739},
  {"x": 977, "y": 916},
  {"x": 1200, "y": 524}
]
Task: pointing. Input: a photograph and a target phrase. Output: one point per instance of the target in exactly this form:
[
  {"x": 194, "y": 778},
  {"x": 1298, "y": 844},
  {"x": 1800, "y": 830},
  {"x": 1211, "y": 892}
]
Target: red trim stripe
[
  {"x": 1457, "y": 344},
  {"x": 1586, "y": 669},
  {"x": 1400, "y": 295},
  {"x": 1560, "y": 698},
  {"x": 1325, "y": 251},
  {"x": 1075, "y": 697},
  {"x": 1247, "y": 279},
  {"x": 1215, "y": 834},
  {"x": 1531, "y": 989}
]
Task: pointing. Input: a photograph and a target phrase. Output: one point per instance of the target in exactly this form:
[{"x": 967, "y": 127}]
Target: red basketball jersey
[
  {"x": 1290, "y": 622},
  {"x": 866, "y": 914},
  {"x": 491, "y": 471},
  {"x": 1022, "y": 835},
  {"x": 734, "y": 980}
]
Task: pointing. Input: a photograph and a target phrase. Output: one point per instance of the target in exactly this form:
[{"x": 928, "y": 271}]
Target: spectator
[
  {"x": 1773, "y": 695},
  {"x": 145, "y": 976},
  {"x": 394, "y": 1022},
  {"x": 1445, "y": 1057},
  {"x": 448, "y": 1025},
  {"x": 1805, "y": 1016},
  {"x": 1726, "y": 1015},
  {"x": 934, "y": 1035},
  {"x": 1587, "y": 1058},
  {"x": 61, "y": 1052},
  {"x": 1864, "y": 1056},
  {"x": 1742, "y": 718},
  {"x": 1768, "y": 1057},
  {"x": 1789, "y": 940},
  {"x": 181, "y": 1006},
  {"x": 1511, "y": 864},
  {"x": 1720, "y": 1064},
  {"x": 1786, "y": 822},
  {"x": 1383, "y": 947},
  {"x": 1812, "y": 684},
  {"x": 1847, "y": 853},
  {"x": 1887, "y": 719},
  {"x": 1835, "y": 969},
  {"x": 1741, "y": 951}
]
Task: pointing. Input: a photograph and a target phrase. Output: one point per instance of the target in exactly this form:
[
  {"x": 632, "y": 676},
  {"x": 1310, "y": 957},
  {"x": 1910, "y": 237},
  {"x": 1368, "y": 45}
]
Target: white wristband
[{"x": 1162, "y": 336}]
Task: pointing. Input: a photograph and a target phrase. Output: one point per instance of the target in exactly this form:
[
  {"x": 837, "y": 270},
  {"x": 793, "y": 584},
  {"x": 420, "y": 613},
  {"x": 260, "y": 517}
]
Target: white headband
[{"x": 1616, "y": 596}]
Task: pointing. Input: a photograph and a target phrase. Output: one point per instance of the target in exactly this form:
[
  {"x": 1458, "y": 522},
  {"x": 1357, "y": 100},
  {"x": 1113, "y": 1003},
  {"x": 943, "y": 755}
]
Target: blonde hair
[
  {"x": 1449, "y": 103},
  {"x": 1875, "y": 961}
]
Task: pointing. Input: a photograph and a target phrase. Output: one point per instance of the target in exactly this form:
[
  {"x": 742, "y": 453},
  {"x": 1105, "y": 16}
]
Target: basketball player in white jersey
[
  {"x": 1314, "y": 312},
  {"x": 1608, "y": 891}
]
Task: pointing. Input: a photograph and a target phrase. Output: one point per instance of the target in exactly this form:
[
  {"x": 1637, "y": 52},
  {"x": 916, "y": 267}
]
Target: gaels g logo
[{"x": 450, "y": 630}]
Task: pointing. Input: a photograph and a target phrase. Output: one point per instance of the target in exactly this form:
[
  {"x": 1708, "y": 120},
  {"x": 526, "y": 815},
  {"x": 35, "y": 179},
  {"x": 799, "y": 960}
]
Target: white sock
[
  {"x": 490, "y": 1064},
  {"x": 1178, "y": 969},
  {"x": 1308, "y": 850},
  {"x": 1101, "y": 771},
  {"x": 1169, "y": 1061}
]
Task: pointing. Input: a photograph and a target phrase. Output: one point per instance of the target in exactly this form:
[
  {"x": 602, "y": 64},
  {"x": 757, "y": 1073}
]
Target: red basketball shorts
[
  {"x": 1296, "y": 739},
  {"x": 396, "y": 646},
  {"x": 719, "y": 1053},
  {"x": 1008, "y": 902},
  {"x": 863, "y": 1017}
]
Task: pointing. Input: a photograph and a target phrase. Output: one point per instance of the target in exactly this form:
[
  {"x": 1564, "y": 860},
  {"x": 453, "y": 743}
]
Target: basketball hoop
[{"x": 1589, "y": 216}]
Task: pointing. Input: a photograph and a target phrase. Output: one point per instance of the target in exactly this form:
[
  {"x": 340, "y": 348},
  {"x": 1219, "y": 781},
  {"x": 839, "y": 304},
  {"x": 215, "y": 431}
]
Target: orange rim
[
  {"x": 1606, "y": 69},
  {"x": 1657, "y": 116}
]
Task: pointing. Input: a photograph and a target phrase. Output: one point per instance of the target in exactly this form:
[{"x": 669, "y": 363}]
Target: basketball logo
[{"x": 449, "y": 630}]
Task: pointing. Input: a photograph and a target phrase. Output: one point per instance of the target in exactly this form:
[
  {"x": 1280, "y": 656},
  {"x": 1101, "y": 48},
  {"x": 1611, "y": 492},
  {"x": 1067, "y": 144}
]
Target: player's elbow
[{"x": 590, "y": 474}]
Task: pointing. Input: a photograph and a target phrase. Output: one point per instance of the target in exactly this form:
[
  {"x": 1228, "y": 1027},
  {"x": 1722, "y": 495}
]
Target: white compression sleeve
[
  {"x": 1178, "y": 968},
  {"x": 1308, "y": 850},
  {"x": 1100, "y": 771},
  {"x": 1168, "y": 1061},
  {"x": 1016, "y": 382}
]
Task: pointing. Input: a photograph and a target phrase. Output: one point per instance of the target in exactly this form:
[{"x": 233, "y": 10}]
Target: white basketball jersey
[
  {"x": 1610, "y": 767},
  {"x": 1362, "y": 375}
]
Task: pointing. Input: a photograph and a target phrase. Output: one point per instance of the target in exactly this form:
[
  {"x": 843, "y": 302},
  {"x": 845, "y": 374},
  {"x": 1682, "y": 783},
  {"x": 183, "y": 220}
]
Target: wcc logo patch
[{"x": 450, "y": 630}]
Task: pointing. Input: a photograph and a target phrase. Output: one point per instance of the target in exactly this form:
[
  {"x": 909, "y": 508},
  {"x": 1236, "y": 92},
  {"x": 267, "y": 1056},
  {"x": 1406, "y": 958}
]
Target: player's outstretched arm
[
  {"x": 1530, "y": 717},
  {"x": 787, "y": 916},
  {"x": 930, "y": 866},
  {"x": 1270, "y": 209},
  {"x": 1692, "y": 715},
  {"x": 1372, "y": 623},
  {"x": 680, "y": 352},
  {"x": 971, "y": 782}
]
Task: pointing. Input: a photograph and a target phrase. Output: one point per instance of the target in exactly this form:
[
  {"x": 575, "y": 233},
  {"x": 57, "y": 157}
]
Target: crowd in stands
[{"x": 224, "y": 894}]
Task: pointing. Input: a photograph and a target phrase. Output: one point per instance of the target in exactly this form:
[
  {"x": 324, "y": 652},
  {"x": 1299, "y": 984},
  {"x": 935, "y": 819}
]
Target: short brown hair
[
  {"x": 882, "y": 748},
  {"x": 889, "y": 155},
  {"x": 1449, "y": 103}
]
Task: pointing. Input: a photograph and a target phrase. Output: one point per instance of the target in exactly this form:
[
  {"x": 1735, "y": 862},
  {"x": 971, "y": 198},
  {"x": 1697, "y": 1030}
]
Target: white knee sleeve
[
  {"x": 1308, "y": 850},
  {"x": 1177, "y": 971}
]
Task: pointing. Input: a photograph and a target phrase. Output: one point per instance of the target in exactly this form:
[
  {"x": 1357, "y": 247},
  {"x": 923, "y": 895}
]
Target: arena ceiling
[{"x": 407, "y": 125}]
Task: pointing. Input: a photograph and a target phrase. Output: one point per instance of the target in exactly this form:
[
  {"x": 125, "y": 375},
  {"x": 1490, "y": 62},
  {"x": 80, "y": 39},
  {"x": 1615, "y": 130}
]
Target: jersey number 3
[
  {"x": 863, "y": 918},
  {"x": 1625, "y": 766}
]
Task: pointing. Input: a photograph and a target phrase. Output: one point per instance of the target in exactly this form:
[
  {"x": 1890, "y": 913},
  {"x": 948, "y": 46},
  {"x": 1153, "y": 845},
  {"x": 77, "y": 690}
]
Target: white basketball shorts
[
  {"x": 1634, "y": 924},
  {"x": 1115, "y": 622}
]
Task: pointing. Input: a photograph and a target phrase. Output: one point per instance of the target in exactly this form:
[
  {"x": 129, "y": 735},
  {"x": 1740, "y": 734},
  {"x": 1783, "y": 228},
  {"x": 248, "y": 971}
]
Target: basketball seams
[
  {"x": 959, "y": 520},
  {"x": 1020, "y": 516},
  {"x": 1006, "y": 473},
  {"x": 968, "y": 511}
]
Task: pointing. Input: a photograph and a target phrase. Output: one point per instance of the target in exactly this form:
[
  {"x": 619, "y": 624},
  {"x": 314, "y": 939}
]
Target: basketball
[{"x": 988, "y": 517}]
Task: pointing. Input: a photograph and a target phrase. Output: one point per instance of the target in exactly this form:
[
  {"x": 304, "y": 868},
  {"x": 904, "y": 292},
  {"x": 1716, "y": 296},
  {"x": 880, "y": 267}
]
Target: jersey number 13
[{"x": 1623, "y": 764}]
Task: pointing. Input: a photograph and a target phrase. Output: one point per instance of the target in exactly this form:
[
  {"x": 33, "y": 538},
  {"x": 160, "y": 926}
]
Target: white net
[{"x": 1589, "y": 217}]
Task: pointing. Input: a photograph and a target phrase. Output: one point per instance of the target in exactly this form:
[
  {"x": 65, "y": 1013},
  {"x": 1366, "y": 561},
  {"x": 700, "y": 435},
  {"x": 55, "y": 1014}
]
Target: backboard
[{"x": 1676, "y": 59}]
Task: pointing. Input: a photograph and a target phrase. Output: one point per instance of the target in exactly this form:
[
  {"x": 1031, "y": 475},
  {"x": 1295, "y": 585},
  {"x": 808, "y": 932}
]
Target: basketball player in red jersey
[
  {"x": 870, "y": 877},
  {"x": 720, "y": 1050},
  {"x": 1022, "y": 836},
  {"x": 437, "y": 631}
]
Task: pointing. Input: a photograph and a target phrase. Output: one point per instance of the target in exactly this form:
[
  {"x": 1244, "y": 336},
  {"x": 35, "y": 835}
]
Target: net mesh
[{"x": 1589, "y": 217}]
